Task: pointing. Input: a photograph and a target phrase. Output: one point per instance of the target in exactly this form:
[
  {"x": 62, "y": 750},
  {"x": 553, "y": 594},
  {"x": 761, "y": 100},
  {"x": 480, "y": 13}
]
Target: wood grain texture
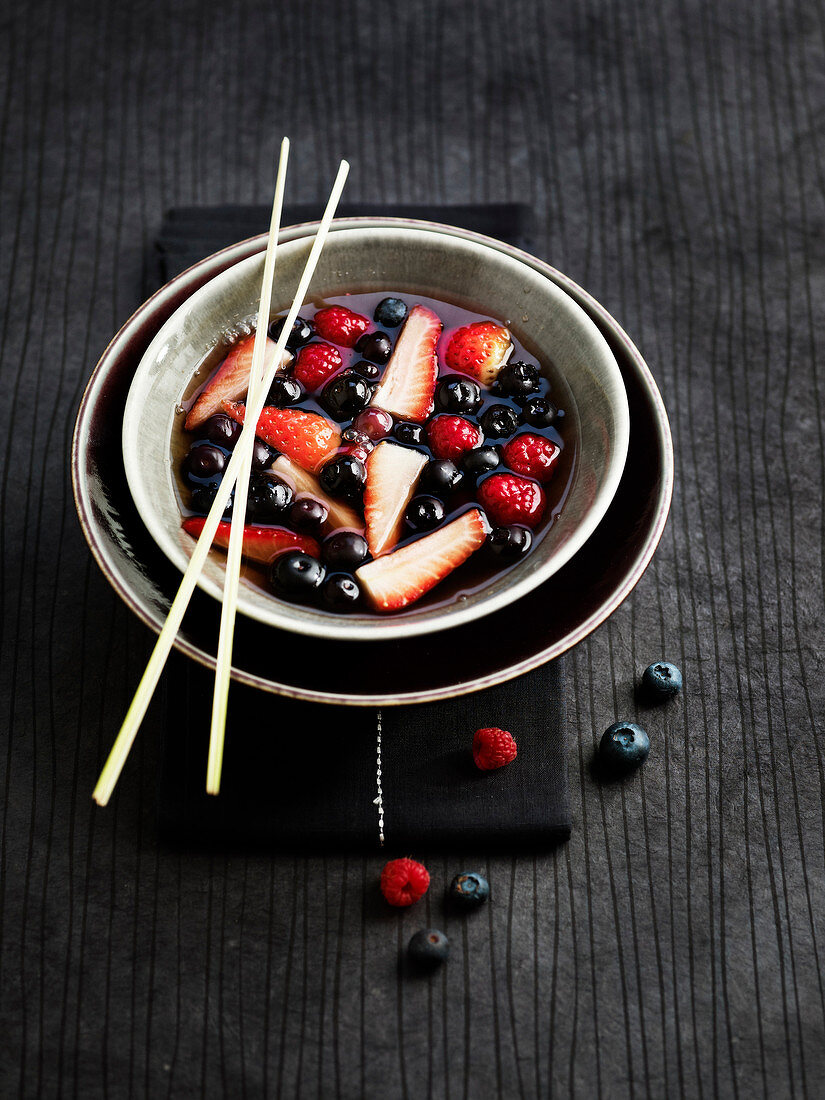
[{"x": 673, "y": 152}]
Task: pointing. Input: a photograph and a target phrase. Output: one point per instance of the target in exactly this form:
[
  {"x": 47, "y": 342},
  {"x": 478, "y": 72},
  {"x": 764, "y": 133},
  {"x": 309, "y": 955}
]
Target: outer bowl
[{"x": 558, "y": 331}]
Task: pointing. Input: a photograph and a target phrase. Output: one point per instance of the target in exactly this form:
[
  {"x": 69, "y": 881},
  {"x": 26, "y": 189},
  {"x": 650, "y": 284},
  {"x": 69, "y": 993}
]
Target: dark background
[{"x": 673, "y": 153}]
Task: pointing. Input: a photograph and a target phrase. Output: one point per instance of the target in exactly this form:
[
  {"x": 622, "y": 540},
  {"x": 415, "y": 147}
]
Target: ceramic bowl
[{"x": 586, "y": 380}]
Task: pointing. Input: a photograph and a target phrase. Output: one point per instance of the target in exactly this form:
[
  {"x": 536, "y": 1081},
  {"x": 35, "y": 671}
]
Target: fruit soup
[{"x": 410, "y": 450}]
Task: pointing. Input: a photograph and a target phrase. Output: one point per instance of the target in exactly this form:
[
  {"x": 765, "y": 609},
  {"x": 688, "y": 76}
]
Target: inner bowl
[{"x": 585, "y": 376}]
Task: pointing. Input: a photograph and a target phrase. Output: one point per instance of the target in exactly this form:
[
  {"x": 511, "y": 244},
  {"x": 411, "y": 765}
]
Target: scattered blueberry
[
  {"x": 296, "y": 575},
  {"x": 538, "y": 412},
  {"x": 481, "y": 460},
  {"x": 441, "y": 477},
  {"x": 661, "y": 681},
  {"x": 204, "y": 461},
  {"x": 469, "y": 889},
  {"x": 346, "y": 395},
  {"x": 308, "y": 514},
  {"x": 343, "y": 477},
  {"x": 519, "y": 379},
  {"x": 344, "y": 550},
  {"x": 302, "y": 331},
  {"x": 424, "y": 513},
  {"x": 411, "y": 434},
  {"x": 203, "y": 497},
  {"x": 222, "y": 430},
  {"x": 624, "y": 746},
  {"x": 367, "y": 370},
  {"x": 457, "y": 394},
  {"x": 428, "y": 948},
  {"x": 340, "y": 591},
  {"x": 390, "y": 312},
  {"x": 375, "y": 346},
  {"x": 510, "y": 542},
  {"x": 284, "y": 392},
  {"x": 268, "y": 499},
  {"x": 262, "y": 456},
  {"x": 499, "y": 421}
]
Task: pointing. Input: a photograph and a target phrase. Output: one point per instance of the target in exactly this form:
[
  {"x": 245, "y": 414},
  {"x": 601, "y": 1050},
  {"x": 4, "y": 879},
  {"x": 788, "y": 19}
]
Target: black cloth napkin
[{"x": 300, "y": 776}]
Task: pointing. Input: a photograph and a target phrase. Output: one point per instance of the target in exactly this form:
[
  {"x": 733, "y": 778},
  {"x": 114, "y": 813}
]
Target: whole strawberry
[
  {"x": 532, "y": 455},
  {"x": 451, "y": 436},
  {"x": 315, "y": 364},
  {"x": 479, "y": 350},
  {"x": 510, "y": 498},
  {"x": 403, "y": 881},
  {"x": 340, "y": 325},
  {"x": 493, "y": 748}
]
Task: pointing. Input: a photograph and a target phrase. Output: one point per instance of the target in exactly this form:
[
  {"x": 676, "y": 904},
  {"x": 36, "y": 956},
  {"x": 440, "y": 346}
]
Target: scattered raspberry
[
  {"x": 478, "y": 350},
  {"x": 341, "y": 325},
  {"x": 403, "y": 881},
  {"x": 510, "y": 498},
  {"x": 451, "y": 436},
  {"x": 315, "y": 364},
  {"x": 493, "y": 748},
  {"x": 532, "y": 455}
]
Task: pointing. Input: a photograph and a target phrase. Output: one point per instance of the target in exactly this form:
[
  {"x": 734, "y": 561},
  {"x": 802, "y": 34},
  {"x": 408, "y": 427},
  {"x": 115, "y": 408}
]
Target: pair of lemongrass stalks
[{"x": 236, "y": 476}]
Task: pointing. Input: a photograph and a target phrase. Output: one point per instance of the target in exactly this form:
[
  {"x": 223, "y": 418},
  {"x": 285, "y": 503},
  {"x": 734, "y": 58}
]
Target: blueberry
[
  {"x": 469, "y": 889},
  {"x": 411, "y": 434},
  {"x": 510, "y": 542},
  {"x": 346, "y": 395},
  {"x": 624, "y": 746},
  {"x": 340, "y": 591},
  {"x": 424, "y": 513},
  {"x": 661, "y": 681},
  {"x": 262, "y": 456},
  {"x": 390, "y": 312},
  {"x": 428, "y": 948},
  {"x": 441, "y": 477},
  {"x": 268, "y": 499},
  {"x": 499, "y": 421},
  {"x": 222, "y": 430},
  {"x": 204, "y": 461},
  {"x": 519, "y": 379},
  {"x": 481, "y": 460},
  {"x": 366, "y": 370},
  {"x": 375, "y": 346},
  {"x": 203, "y": 497},
  {"x": 457, "y": 394},
  {"x": 285, "y": 391},
  {"x": 538, "y": 412},
  {"x": 344, "y": 550},
  {"x": 302, "y": 331},
  {"x": 296, "y": 575},
  {"x": 343, "y": 477},
  {"x": 308, "y": 514}
]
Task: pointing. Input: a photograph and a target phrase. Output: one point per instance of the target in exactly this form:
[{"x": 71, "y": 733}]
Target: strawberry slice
[
  {"x": 400, "y": 578},
  {"x": 392, "y": 472},
  {"x": 306, "y": 437},
  {"x": 340, "y": 514},
  {"x": 480, "y": 350},
  {"x": 259, "y": 543},
  {"x": 409, "y": 381},
  {"x": 230, "y": 381}
]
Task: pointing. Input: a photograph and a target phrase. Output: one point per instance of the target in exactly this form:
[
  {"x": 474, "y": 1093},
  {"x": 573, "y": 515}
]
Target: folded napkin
[{"x": 299, "y": 776}]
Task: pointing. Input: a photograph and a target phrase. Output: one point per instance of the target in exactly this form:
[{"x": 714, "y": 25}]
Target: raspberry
[
  {"x": 493, "y": 748},
  {"x": 403, "y": 881},
  {"x": 451, "y": 436},
  {"x": 532, "y": 455},
  {"x": 341, "y": 325},
  {"x": 509, "y": 498},
  {"x": 316, "y": 363}
]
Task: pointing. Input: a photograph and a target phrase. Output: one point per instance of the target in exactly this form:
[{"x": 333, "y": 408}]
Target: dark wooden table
[{"x": 674, "y": 154}]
